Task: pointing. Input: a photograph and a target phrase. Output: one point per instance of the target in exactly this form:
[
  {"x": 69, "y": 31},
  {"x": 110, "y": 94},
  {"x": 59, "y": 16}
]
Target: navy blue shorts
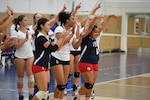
[
  {"x": 75, "y": 53},
  {"x": 54, "y": 61}
]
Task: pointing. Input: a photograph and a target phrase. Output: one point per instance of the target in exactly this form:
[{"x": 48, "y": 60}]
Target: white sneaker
[
  {"x": 92, "y": 95},
  {"x": 65, "y": 92},
  {"x": 75, "y": 93},
  {"x": 75, "y": 90}
]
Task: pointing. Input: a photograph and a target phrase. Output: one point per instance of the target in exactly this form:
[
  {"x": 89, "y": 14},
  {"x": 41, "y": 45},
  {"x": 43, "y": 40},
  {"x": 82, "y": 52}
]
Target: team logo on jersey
[
  {"x": 88, "y": 68},
  {"x": 57, "y": 62},
  {"x": 42, "y": 68},
  {"x": 94, "y": 44}
]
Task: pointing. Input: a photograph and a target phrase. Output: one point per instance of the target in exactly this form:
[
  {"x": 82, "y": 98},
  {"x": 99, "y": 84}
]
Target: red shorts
[
  {"x": 86, "y": 67},
  {"x": 36, "y": 68}
]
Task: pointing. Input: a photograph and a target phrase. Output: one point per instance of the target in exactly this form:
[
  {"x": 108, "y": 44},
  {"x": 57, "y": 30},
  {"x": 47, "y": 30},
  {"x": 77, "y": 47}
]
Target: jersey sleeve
[
  {"x": 59, "y": 29},
  {"x": 41, "y": 40},
  {"x": 14, "y": 34}
]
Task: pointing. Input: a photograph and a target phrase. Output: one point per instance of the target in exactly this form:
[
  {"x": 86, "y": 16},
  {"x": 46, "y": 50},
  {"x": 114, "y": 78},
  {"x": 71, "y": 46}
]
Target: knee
[
  {"x": 61, "y": 87},
  {"x": 76, "y": 74},
  {"x": 20, "y": 81},
  {"x": 31, "y": 79},
  {"x": 88, "y": 85}
]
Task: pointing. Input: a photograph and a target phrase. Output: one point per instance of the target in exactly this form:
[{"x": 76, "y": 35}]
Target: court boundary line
[
  {"x": 120, "y": 79},
  {"x": 128, "y": 85},
  {"x": 94, "y": 84}
]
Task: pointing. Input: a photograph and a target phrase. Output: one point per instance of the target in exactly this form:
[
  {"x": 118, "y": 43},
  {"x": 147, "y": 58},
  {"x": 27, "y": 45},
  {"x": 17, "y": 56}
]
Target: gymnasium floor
[{"x": 121, "y": 77}]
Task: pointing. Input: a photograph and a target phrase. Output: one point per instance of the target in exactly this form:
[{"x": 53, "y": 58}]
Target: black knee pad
[
  {"x": 61, "y": 87},
  {"x": 69, "y": 76},
  {"x": 76, "y": 74},
  {"x": 88, "y": 85}
]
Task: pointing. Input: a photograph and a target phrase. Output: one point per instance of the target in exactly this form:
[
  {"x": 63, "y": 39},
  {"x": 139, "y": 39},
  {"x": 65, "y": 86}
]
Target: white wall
[
  {"x": 53, "y": 6},
  {"x": 45, "y": 6},
  {"x": 127, "y": 7},
  {"x": 118, "y": 7}
]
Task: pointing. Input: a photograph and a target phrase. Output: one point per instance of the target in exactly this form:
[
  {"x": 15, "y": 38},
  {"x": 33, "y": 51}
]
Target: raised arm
[
  {"x": 87, "y": 29},
  {"x": 75, "y": 10},
  {"x": 78, "y": 25},
  {"x": 9, "y": 12},
  {"x": 95, "y": 9},
  {"x": 91, "y": 13},
  {"x": 90, "y": 24},
  {"x": 105, "y": 22},
  {"x": 5, "y": 22},
  {"x": 55, "y": 19}
]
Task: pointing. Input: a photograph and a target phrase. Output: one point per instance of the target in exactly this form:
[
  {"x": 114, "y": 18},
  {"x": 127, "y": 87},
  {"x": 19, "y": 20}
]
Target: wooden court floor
[
  {"x": 121, "y": 77},
  {"x": 131, "y": 88}
]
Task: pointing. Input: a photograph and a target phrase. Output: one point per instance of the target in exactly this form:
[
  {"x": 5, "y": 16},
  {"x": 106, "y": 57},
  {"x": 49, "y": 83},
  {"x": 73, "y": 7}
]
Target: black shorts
[
  {"x": 75, "y": 53},
  {"x": 54, "y": 61},
  {"x": 22, "y": 58}
]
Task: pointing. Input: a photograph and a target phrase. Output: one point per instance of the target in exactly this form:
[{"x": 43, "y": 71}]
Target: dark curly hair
[{"x": 63, "y": 16}]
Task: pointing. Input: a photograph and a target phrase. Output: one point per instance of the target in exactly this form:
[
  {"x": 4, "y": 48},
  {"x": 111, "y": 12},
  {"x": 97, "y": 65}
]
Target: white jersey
[
  {"x": 12, "y": 30},
  {"x": 25, "y": 51},
  {"x": 64, "y": 53},
  {"x": 33, "y": 39},
  {"x": 51, "y": 34}
]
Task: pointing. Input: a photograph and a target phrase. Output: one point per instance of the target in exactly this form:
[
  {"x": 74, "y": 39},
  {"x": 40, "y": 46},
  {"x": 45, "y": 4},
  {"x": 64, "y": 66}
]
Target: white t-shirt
[
  {"x": 51, "y": 34},
  {"x": 33, "y": 39},
  {"x": 25, "y": 51},
  {"x": 64, "y": 53},
  {"x": 12, "y": 30}
]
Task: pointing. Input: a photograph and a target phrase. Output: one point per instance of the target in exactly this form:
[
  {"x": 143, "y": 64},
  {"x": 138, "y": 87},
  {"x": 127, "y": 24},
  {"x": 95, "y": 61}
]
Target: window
[
  {"x": 136, "y": 25},
  {"x": 146, "y": 27}
]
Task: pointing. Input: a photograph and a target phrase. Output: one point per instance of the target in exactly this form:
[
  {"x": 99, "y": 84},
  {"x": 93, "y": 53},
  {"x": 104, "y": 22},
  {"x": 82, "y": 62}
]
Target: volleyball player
[
  {"x": 40, "y": 66},
  {"x": 23, "y": 55},
  {"x": 88, "y": 62}
]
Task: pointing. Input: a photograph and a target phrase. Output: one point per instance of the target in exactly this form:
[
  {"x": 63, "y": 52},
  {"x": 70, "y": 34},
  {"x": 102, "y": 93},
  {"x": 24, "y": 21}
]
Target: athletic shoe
[
  {"x": 30, "y": 97},
  {"x": 75, "y": 90},
  {"x": 48, "y": 97},
  {"x": 1, "y": 65},
  {"x": 65, "y": 92},
  {"x": 75, "y": 93},
  {"x": 35, "y": 89},
  {"x": 75, "y": 98},
  {"x": 92, "y": 95}
]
